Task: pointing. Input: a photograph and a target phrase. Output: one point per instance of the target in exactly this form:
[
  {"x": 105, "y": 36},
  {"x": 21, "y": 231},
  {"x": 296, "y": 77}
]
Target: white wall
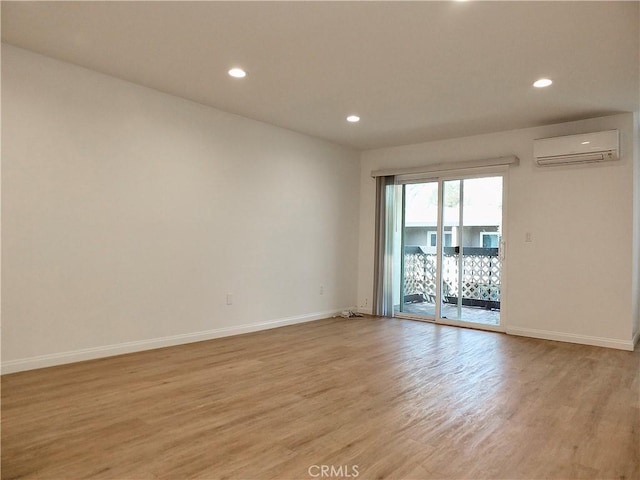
[
  {"x": 574, "y": 282},
  {"x": 129, "y": 214}
]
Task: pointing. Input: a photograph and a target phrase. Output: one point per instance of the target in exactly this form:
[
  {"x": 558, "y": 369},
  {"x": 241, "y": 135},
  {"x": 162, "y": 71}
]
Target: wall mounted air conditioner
[{"x": 576, "y": 149}]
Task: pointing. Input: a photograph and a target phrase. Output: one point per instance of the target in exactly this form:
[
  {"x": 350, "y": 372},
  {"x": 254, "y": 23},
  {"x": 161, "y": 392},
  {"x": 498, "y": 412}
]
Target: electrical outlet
[
  {"x": 229, "y": 299},
  {"x": 321, "y": 289}
]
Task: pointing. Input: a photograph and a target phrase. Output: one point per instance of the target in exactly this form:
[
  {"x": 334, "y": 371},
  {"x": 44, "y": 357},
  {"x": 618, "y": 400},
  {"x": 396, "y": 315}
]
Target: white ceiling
[{"x": 414, "y": 71}]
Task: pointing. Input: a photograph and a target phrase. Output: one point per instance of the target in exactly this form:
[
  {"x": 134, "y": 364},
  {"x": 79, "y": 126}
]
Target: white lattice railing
[{"x": 481, "y": 269}]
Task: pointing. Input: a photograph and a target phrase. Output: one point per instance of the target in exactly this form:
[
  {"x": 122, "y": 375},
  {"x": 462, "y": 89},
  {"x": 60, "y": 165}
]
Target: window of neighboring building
[
  {"x": 490, "y": 239},
  {"x": 433, "y": 237}
]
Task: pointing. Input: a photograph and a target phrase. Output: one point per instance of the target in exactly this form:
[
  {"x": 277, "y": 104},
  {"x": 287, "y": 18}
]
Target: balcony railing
[{"x": 481, "y": 270}]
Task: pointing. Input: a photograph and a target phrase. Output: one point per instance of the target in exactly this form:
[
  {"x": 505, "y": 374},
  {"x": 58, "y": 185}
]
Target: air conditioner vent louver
[{"x": 577, "y": 149}]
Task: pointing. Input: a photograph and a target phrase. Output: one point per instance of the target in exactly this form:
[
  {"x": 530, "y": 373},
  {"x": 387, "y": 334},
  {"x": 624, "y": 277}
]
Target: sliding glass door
[
  {"x": 472, "y": 265},
  {"x": 451, "y": 250},
  {"x": 418, "y": 263}
]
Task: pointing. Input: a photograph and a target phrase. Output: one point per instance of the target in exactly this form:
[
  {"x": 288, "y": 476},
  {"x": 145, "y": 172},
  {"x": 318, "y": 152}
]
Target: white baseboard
[
  {"x": 42, "y": 361},
  {"x": 572, "y": 338}
]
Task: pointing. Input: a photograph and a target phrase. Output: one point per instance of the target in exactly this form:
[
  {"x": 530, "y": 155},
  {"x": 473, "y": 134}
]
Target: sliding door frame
[
  {"x": 403, "y": 182},
  {"x": 500, "y": 171}
]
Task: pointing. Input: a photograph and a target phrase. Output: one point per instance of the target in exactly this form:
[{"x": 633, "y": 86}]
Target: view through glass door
[
  {"x": 419, "y": 242},
  {"x": 451, "y": 265}
]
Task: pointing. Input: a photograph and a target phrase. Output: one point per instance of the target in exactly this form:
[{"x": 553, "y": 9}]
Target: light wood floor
[{"x": 374, "y": 397}]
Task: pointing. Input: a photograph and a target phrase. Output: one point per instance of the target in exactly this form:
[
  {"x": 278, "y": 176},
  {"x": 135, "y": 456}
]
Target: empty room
[{"x": 313, "y": 240}]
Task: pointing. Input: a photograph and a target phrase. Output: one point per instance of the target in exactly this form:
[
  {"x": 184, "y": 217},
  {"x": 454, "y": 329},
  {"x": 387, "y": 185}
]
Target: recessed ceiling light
[
  {"x": 585, "y": 143},
  {"x": 353, "y": 118},
  {"x": 237, "y": 73},
  {"x": 543, "y": 82}
]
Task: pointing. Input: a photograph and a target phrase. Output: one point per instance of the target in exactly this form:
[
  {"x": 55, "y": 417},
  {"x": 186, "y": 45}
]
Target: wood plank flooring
[{"x": 366, "y": 397}]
